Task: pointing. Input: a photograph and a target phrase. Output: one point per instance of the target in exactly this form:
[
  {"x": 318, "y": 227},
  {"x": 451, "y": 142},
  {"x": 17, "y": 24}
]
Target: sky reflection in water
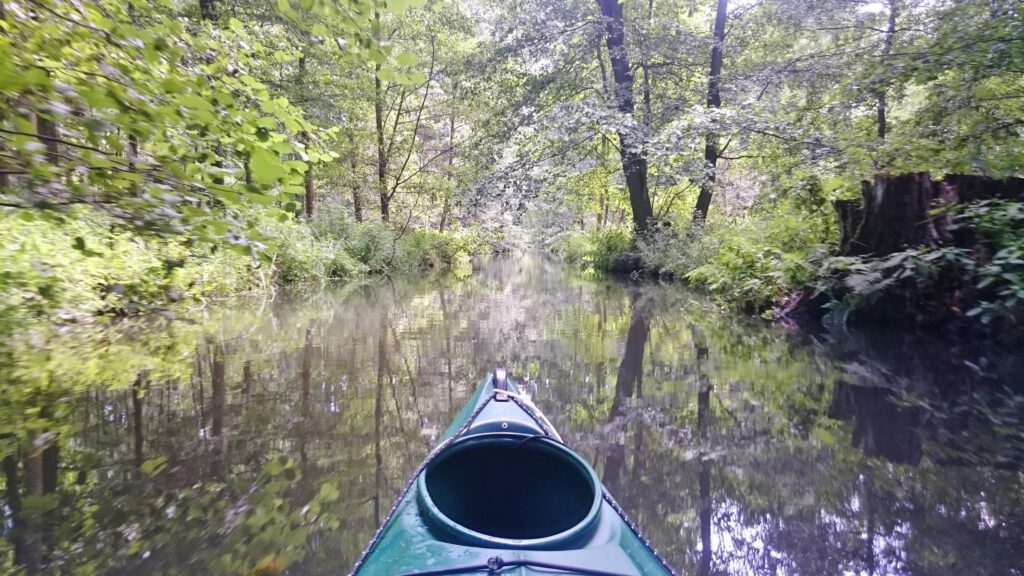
[{"x": 278, "y": 434}]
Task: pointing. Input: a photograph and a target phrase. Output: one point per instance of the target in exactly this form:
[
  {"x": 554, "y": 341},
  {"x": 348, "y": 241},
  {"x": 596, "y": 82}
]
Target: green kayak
[{"x": 502, "y": 495}]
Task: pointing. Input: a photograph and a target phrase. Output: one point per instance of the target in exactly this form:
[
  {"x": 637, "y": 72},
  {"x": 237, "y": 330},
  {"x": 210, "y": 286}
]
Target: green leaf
[
  {"x": 285, "y": 8},
  {"x": 328, "y": 493},
  {"x": 153, "y": 466},
  {"x": 267, "y": 167},
  {"x": 407, "y": 59}
]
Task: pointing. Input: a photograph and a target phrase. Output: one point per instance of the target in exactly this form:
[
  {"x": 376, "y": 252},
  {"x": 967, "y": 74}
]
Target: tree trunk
[
  {"x": 630, "y": 371},
  {"x": 218, "y": 392},
  {"x": 383, "y": 367},
  {"x": 382, "y": 155},
  {"x": 47, "y": 130},
  {"x": 12, "y": 485},
  {"x": 450, "y": 173},
  {"x": 634, "y": 162},
  {"x": 310, "y": 201},
  {"x": 704, "y": 473},
  {"x": 707, "y": 183},
  {"x": 357, "y": 199},
  {"x": 247, "y": 169},
  {"x": 895, "y": 211},
  {"x": 644, "y": 65},
  {"x": 137, "y": 418},
  {"x": 880, "y": 92},
  {"x": 33, "y": 538}
]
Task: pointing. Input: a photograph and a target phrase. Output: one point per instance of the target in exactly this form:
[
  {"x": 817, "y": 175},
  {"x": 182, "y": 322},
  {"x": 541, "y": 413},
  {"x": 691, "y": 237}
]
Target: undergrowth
[{"x": 79, "y": 265}]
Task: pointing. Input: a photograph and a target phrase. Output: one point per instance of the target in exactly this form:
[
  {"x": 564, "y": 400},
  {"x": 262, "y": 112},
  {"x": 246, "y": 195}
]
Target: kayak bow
[{"x": 502, "y": 494}]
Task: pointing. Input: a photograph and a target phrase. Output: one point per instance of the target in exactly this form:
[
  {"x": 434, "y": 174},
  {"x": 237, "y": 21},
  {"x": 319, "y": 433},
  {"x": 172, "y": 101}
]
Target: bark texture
[
  {"x": 711, "y": 151},
  {"x": 634, "y": 161},
  {"x": 895, "y": 212}
]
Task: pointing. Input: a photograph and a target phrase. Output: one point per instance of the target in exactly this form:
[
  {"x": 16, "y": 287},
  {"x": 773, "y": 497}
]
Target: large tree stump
[{"x": 895, "y": 212}]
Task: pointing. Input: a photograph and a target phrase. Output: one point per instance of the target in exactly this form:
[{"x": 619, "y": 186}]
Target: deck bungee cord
[{"x": 495, "y": 565}]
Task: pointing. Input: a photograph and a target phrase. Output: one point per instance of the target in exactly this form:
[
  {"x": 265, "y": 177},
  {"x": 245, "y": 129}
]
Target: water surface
[{"x": 275, "y": 435}]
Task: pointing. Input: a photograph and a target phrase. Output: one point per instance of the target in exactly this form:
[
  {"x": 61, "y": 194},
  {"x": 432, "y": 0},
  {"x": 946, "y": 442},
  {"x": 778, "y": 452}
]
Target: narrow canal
[{"x": 274, "y": 435}]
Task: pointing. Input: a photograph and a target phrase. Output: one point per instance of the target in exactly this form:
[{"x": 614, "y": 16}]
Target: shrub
[
  {"x": 81, "y": 265},
  {"x": 675, "y": 252},
  {"x": 598, "y": 249},
  {"x": 758, "y": 260}
]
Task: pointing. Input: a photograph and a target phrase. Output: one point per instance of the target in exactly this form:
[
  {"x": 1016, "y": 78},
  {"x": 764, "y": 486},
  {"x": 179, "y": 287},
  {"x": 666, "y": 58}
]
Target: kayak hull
[{"x": 503, "y": 495}]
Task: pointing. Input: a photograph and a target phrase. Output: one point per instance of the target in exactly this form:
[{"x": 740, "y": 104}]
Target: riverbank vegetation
[
  {"x": 159, "y": 153},
  {"x": 757, "y": 139}
]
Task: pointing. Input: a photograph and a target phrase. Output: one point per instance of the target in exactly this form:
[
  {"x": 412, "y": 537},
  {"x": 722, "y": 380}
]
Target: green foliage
[
  {"x": 999, "y": 226},
  {"x": 987, "y": 280},
  {"x": 595, "y": 250},
  {"x": 84, "y": 266},
  {"x": 672, "y": 253},
  {"x": 379, "y": 247},
  {"x": 128, "y": 108},
  {"x": 758, "y": 260}
]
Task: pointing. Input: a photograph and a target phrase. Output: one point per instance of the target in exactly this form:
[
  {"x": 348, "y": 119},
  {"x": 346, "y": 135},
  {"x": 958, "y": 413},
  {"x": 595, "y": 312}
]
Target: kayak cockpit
[
  {"x": 504, "y": 490},
  {"x": 503, "y": 495}
]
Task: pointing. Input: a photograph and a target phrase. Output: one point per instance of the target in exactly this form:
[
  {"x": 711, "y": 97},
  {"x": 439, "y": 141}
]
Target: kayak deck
[{"x": 503, "y": 495}]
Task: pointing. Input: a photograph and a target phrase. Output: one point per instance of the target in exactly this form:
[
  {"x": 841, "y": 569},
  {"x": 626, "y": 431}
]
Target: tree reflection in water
[{"x": 275, "y": 435}]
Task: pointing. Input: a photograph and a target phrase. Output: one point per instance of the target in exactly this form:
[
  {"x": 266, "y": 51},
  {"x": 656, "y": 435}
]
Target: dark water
[{"x": 274, "y": 436}]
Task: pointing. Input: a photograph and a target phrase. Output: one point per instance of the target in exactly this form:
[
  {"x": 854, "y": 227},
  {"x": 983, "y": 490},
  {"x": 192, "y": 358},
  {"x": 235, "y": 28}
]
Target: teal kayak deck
[{"x": 502, "y": 495}]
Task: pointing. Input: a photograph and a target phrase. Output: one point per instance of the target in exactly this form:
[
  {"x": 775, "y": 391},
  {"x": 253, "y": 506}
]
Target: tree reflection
[{"x": 275, "y": 437}]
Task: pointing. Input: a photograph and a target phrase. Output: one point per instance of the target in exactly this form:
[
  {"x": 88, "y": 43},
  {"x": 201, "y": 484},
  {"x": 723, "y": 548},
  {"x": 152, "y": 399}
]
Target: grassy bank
[
  {"x": 750, "y": 261},
  {"x": 81, "y": 266},
  {"x": 786, "y": 258}
]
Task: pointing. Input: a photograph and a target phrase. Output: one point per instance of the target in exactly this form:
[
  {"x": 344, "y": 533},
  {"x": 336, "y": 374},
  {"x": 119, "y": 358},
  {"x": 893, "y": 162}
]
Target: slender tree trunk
[
  {"x": 450, "y": 173},
  {"x": 207, "y": 10},
  {"x": 13, "y": 495},
  {"x": 606, "y": 90},
  {"x": 881, "y": 92},
  {"x": 51, "y": 465},
  {"x": 133, "y": 156},
  {"x": 382, "y": 155},
  {"x": 33, "y": 487},
  {"x": 247, "y": 380},
  {"x": 353, "y": 162},
  {"x": 310, "y": 192},
  {"x": 137, "y": 418},
  {"x": 704, "y": 472},
  {"x": 383, "y": 367},
  {"x": 707, "y": 184},
  {"x": 644, "y": 65},
  {"x": 630, "y": 373},
  {"x": 47, "y": 130},
  {"x": 307, "y": 380},
  {"x": 634, "y": 162},
  {"x": 218, "y": 392}
]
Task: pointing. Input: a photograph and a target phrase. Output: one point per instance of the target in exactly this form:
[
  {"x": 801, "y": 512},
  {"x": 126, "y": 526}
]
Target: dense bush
[
  {"x": 596, "y": 250},
  {"x": 757, "y": 260},
  {"x": 751, "y": 261},
  {"x": 81, "y": 265},
  {"x": 378, "y": 247}
]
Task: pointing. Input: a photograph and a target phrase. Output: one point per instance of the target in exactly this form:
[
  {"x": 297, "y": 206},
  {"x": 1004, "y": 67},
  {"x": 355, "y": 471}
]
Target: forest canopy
[{"x": 295, "y": 140}]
